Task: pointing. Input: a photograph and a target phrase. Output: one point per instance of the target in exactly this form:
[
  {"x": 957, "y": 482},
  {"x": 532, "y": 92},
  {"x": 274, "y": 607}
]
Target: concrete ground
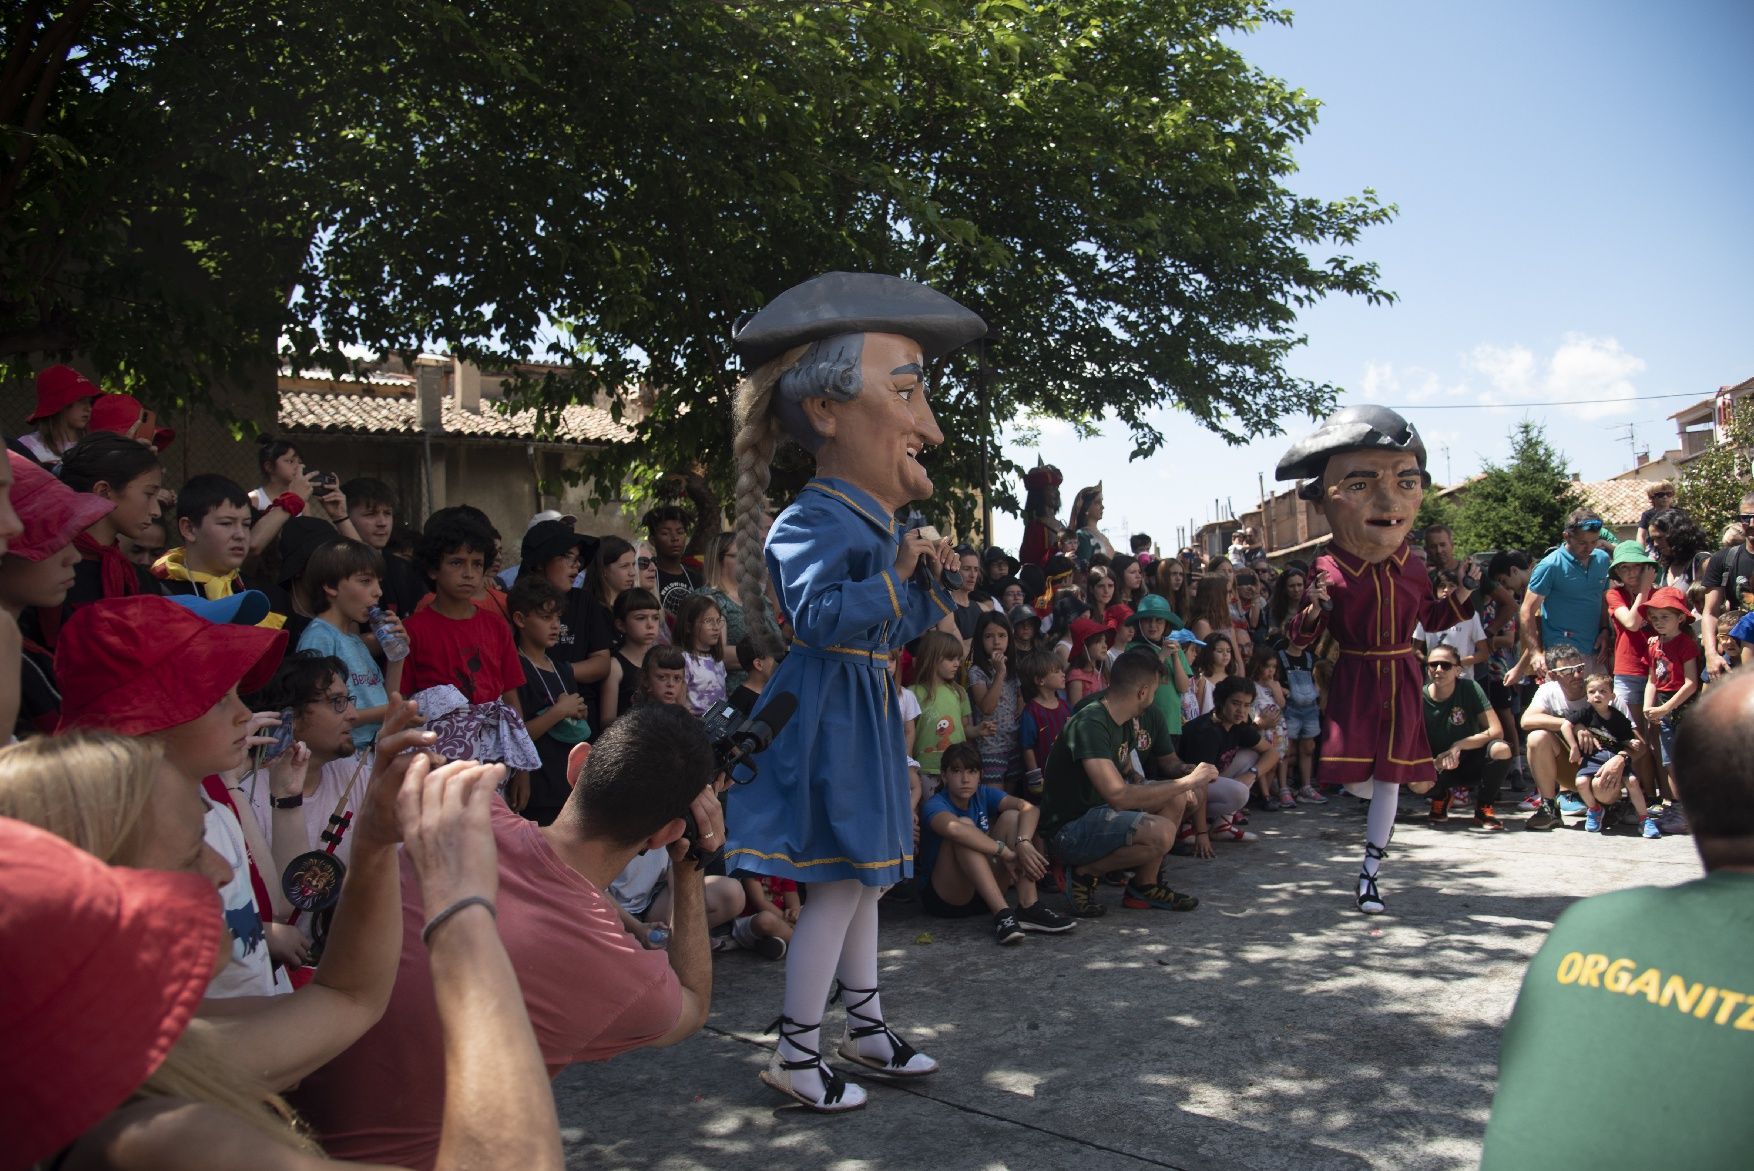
[{"x": 1274, "y": 1027}]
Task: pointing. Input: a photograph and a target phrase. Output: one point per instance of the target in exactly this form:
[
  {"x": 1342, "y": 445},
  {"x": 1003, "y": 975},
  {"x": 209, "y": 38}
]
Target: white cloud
[{"x": 1593, "y": 374}]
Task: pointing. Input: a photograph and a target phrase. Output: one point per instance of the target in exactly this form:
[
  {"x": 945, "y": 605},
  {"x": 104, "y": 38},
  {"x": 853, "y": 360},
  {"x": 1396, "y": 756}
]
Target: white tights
[
  {"x": 836, "y": 937},
  {"x": 1380, "y": 824}
]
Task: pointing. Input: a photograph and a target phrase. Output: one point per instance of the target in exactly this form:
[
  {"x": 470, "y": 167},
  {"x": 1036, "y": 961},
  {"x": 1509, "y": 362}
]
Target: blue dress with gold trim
[{"x": 830, "y": 801}]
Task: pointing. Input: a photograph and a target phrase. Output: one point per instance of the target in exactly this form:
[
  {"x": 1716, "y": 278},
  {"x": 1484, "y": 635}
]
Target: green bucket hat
[
  {"x": 1629, "y": 553},
  {"x": 1154, "y": 606}
]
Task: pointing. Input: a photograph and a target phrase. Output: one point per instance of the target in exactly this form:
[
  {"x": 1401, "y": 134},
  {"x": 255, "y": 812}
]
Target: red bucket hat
[
  {"x": 101, "y": 968},
  {"x": 1666, "y": 598},
  {"x": 143, "y": 664},
  {"x": 124, "y": 415},
  {"x": 1084, "y": 629},
  {"x": 58, "y": 388},
  {"x": 53, "y": 514}
]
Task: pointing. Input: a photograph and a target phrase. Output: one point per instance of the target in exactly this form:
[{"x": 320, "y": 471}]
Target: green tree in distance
[
  {"x": 609, "y": 186},
  {"x": 1713, "y": 483},
  {"x": 1521, "y": 504}
]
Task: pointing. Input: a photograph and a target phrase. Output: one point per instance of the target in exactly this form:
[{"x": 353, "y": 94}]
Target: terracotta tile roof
[
  {"x": 375, "y": 414},
  {"x": 1620, "y": 502}
]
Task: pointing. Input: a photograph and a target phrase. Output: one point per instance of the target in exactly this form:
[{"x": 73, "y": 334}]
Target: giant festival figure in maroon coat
[{"x": 1365, "y": 472}]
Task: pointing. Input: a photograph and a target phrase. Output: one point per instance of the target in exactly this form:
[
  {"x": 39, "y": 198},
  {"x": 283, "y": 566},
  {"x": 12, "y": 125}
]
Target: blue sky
[{"x": 1574, "y": 183}]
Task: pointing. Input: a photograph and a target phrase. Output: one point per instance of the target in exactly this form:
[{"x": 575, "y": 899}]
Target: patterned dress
[
  {"x": 1374, "y": 722},
  {"x": 830, "y": 800}
]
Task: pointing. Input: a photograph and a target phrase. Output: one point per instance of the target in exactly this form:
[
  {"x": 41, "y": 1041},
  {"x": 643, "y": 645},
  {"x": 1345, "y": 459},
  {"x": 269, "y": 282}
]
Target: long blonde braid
[{"x": 758, "y": 435}]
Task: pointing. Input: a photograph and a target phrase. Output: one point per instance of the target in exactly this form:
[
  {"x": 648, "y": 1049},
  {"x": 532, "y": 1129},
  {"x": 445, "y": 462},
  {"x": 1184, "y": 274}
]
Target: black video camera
[{"x": 737, "y": 737}]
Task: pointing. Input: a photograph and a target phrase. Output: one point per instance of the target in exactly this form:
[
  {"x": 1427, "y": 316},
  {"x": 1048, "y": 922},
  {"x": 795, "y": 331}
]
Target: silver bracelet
[{"x": 439, "y": 920}]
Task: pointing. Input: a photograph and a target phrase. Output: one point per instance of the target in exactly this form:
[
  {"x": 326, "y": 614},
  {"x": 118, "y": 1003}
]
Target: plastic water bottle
[
  {"x": 658, "y": 937},
  {"x": 391, "y": 641}
]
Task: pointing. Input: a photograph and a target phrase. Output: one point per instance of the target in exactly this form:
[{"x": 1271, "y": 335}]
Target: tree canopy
[
  {"x": 1713, "y": 483},
  {"x": 608, "y": 186},
  {"x": 1522, "y": 503}
]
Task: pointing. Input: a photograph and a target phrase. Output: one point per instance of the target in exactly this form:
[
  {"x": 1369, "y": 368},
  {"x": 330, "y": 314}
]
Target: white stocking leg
[
  {"x": 817, "y": 943},
  {"x": 1379, "y": 827}
]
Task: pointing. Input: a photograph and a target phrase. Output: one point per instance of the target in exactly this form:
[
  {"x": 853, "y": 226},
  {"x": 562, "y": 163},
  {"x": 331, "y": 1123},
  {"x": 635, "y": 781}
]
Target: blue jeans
[{"x": 1097, "y": 834}]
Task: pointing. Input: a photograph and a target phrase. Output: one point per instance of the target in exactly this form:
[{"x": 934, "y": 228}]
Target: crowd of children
[{"x": 1076, "y": 720}]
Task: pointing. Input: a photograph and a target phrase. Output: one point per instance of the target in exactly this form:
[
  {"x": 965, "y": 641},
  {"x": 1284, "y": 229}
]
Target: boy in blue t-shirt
[
  {"x": 975, "y": 845},
  {"x": 341, "y": 584}
]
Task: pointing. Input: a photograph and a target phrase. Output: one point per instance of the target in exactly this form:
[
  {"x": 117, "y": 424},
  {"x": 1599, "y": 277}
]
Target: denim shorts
[
  {"x": 1303, "y": 721},
  {"x": 1097, "y": 834},
  {"x": 1629, "y": 690}
]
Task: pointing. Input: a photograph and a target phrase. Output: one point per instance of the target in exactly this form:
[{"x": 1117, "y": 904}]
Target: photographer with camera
[
  {"x": 288, "y": 488},
  {"x": 647, "y": 775}
]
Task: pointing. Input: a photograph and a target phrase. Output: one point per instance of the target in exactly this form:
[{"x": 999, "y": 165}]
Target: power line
[{"x": 1567, "y": 402}]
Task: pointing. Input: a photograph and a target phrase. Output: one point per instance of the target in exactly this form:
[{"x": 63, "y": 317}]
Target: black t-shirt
[
  {"x": 88, "y": 583},
  {"x": 1206, "y": 741},
  {"x": 548, "y": 790},
  {"x": 586, "y": 627},
  {"x": 39, "y": 699},
  {"x": 1614, "y": 730},
  {"x": 403, "y": 586},
  {"x": 674, "y": 588},
  {"x": 1732, "y": 571},
  {"x": 967, "y": 618}
]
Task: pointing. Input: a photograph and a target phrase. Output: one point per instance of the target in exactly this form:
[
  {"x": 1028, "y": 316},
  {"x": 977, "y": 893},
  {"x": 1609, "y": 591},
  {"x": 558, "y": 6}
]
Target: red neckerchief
[{"x": 216, "y": 790}]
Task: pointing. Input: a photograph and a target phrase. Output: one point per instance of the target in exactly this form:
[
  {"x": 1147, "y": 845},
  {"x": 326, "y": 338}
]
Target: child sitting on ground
[
  {"x": 1615, "y": 736},
  {"x": 557, "y": 718},
  {"x": 664, "y": 679},
  {"x": 758, "y": 653},
  {"x": 946, "y": 716},
  {"x": 638, "y": 617},
  {"x": 976, "y": 846},
  {"x": 770, "y": 911},
  {"x": 340, "y": 585},
  {"x": 1044, "y": 714}
]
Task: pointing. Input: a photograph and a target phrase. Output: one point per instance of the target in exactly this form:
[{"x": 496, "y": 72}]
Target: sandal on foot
[
  {"x": 904, "y": 1060},
  {"x": 838, "y": 1095},
  {"x": 1369, "y": 900}
]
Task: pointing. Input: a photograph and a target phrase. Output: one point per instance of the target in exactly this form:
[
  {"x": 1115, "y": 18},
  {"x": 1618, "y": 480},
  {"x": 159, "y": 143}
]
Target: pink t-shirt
[{"x": 591, "y": 990}]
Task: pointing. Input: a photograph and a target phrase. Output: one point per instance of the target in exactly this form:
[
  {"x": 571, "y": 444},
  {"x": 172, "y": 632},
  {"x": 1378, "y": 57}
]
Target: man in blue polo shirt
[{"x": 1564, "y": 603}]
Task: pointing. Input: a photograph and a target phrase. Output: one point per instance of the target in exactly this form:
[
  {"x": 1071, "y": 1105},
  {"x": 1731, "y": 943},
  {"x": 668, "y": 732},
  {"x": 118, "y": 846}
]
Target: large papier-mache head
[
  {"x": 1364, "y": 470},
  {"x": 831, "y": 314}
]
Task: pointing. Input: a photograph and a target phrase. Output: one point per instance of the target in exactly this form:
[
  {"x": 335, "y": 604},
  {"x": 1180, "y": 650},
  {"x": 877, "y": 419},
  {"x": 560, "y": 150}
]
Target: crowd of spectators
[{"x": 373, "y": 802}]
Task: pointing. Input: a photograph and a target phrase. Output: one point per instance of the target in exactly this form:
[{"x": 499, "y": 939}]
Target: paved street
[{"x": 1274, "y": 1027}]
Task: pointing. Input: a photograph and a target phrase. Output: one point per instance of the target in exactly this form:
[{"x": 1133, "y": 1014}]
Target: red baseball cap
[
  {"x": 143, "y": 664},
  {"x": 124, "y": 415},
  {"x": 53, "y": 514},
  {"x": 59, "y": 387},
  {"x": 101, "y": 968},
  {"x": 1665, "y": 598}
]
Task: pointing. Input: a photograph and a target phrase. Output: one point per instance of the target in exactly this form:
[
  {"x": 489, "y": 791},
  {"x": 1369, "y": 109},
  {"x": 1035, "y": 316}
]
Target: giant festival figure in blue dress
[{"x": 838, "y": 364}]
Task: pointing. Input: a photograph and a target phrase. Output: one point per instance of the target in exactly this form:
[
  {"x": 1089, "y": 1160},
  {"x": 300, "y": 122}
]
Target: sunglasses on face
[
  {"x": 1588, "y": 526},
  {"x": 1746, "y": 518},
  {"x": 1439, "y": 665},
  {"x": 1564, "y": 670},
  {"x": 646, "y": 562}
]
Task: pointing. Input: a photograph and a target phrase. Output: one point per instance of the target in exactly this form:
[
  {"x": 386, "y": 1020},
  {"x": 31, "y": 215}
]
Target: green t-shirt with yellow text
[{"x": 1644, "y": 994}]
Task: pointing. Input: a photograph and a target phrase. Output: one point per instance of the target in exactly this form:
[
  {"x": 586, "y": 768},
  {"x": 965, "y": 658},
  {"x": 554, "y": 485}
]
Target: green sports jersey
[
  {"x": 1646, "y": 994},
  {"x": 1090, "y": 734},
  {"x": 1455, "y": 718}
]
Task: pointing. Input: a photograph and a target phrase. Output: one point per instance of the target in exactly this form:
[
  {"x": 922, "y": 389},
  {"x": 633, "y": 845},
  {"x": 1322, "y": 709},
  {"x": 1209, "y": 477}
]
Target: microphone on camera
[{"x": 758, "y": 733}]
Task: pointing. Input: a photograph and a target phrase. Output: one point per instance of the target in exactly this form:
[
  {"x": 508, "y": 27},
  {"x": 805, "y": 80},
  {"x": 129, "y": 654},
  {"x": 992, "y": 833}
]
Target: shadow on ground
[{"x": 1274, "y": 1027}]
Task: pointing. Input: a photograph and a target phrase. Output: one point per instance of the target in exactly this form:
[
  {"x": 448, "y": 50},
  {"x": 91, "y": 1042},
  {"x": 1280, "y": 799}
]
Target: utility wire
[{"x": 1567, "y": 402}]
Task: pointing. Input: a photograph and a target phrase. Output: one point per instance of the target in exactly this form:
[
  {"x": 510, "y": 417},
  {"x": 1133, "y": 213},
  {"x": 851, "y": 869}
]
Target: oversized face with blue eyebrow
[
  {"x": 1370, "y": 498},
  {"x": 876, "y": 438}
]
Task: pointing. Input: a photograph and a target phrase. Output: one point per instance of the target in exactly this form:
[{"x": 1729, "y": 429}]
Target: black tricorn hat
[
  {"x": 1365, "y": 428},
  {"x": 856, "y": 302}
]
